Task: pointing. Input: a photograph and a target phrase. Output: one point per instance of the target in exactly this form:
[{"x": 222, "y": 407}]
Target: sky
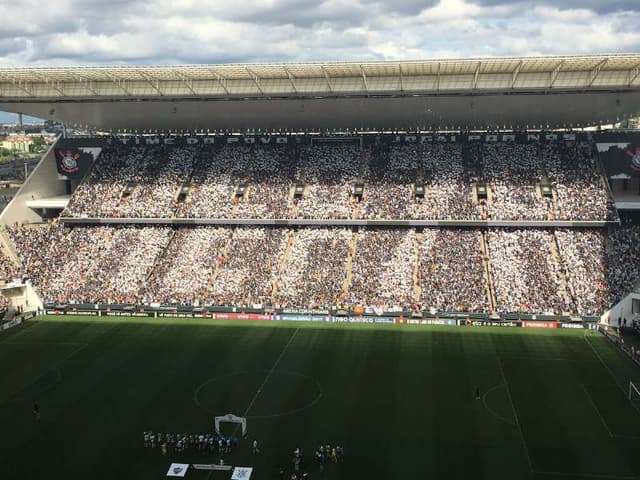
[{"x": 112, "y": 32}]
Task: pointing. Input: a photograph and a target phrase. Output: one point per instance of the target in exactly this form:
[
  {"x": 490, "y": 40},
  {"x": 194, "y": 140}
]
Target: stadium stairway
[
  {"x": 7, "y": 246},
  {"x": 564, "y": 284},
  {"x": 160, "y": 257},
  {"x": 555, "y": 250},
  {"x": 484, "y": 246},
  {"x": 353, "y": 244},
  {"x": 224, "y": 252},
  {"x": 417, "y": 289},
  {"x": 284, "y": 259}
]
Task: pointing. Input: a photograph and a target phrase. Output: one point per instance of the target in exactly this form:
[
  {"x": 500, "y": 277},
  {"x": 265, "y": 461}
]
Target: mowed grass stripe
[{"x": 399, "y": 399}]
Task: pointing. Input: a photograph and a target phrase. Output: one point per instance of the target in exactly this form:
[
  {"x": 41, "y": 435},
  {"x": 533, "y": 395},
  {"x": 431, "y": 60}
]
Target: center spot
[{"x": 284, "y": 393}]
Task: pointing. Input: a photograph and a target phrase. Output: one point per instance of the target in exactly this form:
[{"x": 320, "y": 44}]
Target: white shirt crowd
[
  {"x": 528, "y": 270},
  {"x": 329, "y": 172}
]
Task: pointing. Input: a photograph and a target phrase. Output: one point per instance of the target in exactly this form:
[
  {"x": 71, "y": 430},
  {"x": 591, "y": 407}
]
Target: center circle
[{"x": 267, "y": 394}]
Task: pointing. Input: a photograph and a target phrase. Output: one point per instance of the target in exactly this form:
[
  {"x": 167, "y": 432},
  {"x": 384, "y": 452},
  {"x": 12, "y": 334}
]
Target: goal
[
  {"x": 231, "y": 418},
  {"x": 634, "y": 392}
]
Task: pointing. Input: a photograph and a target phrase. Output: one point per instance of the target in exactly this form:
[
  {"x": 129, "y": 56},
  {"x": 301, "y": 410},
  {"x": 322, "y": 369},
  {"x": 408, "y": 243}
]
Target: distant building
[{"x": 18, "y": 143}]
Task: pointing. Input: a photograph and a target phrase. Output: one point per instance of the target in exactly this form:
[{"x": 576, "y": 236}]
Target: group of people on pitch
[
  {"x": 211, "y": 442},
  {"x": 323, "y": 455}
]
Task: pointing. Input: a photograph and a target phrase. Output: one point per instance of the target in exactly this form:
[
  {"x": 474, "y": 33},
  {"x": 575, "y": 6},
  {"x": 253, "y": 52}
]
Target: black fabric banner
[{"x": 73, "y": 162}]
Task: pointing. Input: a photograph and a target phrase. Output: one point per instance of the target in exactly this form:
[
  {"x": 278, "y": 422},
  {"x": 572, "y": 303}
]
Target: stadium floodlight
[{"x": 634, "y": 392}]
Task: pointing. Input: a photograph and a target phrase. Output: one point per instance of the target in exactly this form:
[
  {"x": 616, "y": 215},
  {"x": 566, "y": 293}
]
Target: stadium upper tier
[
  {"x": 482, "y": 93},
  {"x": 555, "y": 181}
]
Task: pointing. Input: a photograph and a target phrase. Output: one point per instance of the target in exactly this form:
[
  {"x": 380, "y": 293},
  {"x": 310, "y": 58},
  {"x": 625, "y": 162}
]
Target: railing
[{"x": 334, "y": 222}]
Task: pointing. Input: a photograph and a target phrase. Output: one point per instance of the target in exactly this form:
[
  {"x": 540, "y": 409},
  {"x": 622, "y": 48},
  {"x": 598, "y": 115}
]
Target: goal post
[
  {"x": 230, "y": 418},
  {"x": 634, "y": 392}
]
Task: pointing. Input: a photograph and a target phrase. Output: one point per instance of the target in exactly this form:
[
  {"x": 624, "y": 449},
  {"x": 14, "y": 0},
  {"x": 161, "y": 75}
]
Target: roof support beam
[
  {"x": 186, "y": 80},
  {"x": 291, "y": 79},
  {"x": 401, "y": 80},
  {"x": 327, "y": 78},
  {"x": 476, "y": 75},
  {"x": 554, "y": 73},
  {"x": 22, "y": 87},
  {"x": 149, "y": 80},
  {"x": 364, "y": 79},
  {"x": 221, "y": 80},
  {"x": 119, "y": 82},
  {"x": 514, "y": 77},
  {"x": 256, "y": 80},
  {"x": 438, "y": 79},
  {"x": 17, "y": 83},
  {"x": 87, "y": 84},
  {"x": 596, "y": 70},
  {"x": 50, "y": 83},
  {"x": 634, "y": 73}
]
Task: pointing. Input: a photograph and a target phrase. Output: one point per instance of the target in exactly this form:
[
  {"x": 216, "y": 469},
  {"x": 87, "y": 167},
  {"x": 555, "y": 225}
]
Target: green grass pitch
[{"x": 399, "y": 399}]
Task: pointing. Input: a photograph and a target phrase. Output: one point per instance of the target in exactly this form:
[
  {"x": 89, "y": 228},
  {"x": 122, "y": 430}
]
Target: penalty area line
[
  {"x": 490, "y": 410},
  {"x": 597, "y": 410}
]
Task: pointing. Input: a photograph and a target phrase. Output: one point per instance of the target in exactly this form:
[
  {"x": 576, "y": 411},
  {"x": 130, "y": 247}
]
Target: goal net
[
  {"x": 231, "y": 418},
  {"x": 634, "y": 393}
]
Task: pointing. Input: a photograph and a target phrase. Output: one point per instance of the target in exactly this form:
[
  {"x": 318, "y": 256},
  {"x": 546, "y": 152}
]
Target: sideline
[{"x": 608, "y": 369}]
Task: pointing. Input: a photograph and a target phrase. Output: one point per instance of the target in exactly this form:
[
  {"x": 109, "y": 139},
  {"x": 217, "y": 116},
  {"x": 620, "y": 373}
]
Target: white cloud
[{"x": 190, "y": 31}]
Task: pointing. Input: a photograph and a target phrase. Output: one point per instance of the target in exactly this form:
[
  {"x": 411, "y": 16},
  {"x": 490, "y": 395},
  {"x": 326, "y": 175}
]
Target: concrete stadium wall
[
  {"x": 42, "y": 183},
  {"x": 623, "y": 309},
  {"x": 536, "y": 109}
]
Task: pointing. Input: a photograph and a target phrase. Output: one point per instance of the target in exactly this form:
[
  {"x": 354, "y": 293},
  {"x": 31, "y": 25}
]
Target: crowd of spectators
[
  {"x": 329, "y": 172},
  {"x": 513, "y": 171},
  {"x": 382, "y": 270},
  {"x": 185, "y": 272},
  {"x": 526, "y": 275},
  {"x": 390, "y": 178},
  {"x": 452, "y": 271},
  {"x": 448, "y": 185},
  {"x": 566, "y": 270},
  {"x": 89, "y": 264},
  {"x": 622, "y": 260},
  {"x": 214, "y": 175},
  {"x": 313, "y": 271},
  {"x": 584, "y": 255},
  {"x": 133, "y": 182},
  {"x": 249, "y": 266},
  {"x": 601, "y": 266},
  {"x": 265, "y": 171},
  {"x": 8, "y": 269},
  {"x": 582, "y": 193}
]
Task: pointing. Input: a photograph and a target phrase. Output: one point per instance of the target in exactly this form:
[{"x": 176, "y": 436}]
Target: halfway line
[{"x": 266, "y": 378}]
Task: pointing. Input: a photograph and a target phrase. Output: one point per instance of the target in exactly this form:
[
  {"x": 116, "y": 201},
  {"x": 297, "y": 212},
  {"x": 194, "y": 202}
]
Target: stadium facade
[
  {"x": 501, "y": 107},
  {"x": 483, "y": 93}
]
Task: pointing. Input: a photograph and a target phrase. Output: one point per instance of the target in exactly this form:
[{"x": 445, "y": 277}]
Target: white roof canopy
[{"x": 331, "y": 78}]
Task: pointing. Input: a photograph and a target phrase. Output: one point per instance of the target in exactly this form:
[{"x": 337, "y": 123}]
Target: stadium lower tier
[{"x": 554, "y": 271}]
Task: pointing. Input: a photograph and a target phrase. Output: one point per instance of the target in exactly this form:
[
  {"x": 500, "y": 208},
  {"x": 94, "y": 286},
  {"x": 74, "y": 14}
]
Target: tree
[{"x": 39, "y": 144}]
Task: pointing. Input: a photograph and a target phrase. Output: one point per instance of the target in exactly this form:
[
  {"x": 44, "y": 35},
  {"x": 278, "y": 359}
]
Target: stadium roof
[
  {"x": 480, "y": 93},
  {"x": 263, "y": 80}
]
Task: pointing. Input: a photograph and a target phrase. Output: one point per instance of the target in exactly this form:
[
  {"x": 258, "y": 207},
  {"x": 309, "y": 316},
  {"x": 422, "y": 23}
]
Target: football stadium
[{"x": 384, "y": 270}]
